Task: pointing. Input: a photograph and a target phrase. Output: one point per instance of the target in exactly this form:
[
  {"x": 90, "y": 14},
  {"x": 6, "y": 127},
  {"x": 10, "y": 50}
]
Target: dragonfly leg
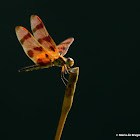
[
  {"x": 63, "y": 79},
  {"x": 64, "y": 71}
]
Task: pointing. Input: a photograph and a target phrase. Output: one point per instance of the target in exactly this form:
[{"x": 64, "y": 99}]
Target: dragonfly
[{"x": 41, "y": 48}]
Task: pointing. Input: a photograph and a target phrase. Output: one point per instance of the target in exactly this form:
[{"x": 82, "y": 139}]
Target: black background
[{"x": 107, "y": 50}]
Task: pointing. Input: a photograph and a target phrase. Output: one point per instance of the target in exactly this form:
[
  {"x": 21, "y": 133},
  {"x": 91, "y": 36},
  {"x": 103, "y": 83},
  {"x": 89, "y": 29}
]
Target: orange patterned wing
[
  {"x": 42, "y": 35},
  {"x": 32, "y": 48},
  {"x": 64, "y": 46}
]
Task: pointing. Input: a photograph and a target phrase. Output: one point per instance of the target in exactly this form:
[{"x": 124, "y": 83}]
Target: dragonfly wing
[
  {"x": 42, "y": 35},
  {"x": 34, "y": 50},
  {"x": 64, "y": 46}
]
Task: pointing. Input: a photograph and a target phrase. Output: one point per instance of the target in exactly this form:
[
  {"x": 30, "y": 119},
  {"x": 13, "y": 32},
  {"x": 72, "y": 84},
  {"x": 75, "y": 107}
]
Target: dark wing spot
[
  {"x": 46, "y": 38},
  {"x": 24, "y": 38},
  {"x": 40, "y": 62},
  {"x": 27, "y": 36},
  {"x": 46, "y": 55},
  {"x": 30, "y": 53},
  {"x": 38, "y": 48},
  {"x": 40, "y": 41},
  {"x": 39, "y": 26},
  {"x": 52, "y": 48},
  {"x": 63, "y": 48}
]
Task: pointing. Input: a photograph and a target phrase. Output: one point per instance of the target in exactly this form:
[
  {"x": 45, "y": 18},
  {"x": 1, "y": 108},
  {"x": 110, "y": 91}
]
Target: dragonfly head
[{"x": 69, "y": 62}]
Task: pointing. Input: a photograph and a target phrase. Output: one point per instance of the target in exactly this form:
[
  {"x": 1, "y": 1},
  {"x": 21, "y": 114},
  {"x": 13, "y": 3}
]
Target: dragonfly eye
[{"x": 70, "y": 62}]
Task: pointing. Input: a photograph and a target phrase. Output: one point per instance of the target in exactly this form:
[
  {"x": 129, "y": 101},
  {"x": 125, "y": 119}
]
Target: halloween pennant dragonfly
[{"x": 41, "y": 48}]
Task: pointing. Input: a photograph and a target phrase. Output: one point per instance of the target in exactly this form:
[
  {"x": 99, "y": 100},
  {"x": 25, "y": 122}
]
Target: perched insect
[{"x": 41, "y": 48}]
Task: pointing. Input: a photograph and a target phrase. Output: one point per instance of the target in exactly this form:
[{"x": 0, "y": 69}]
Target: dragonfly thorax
[{"x": 61, "y": 61}]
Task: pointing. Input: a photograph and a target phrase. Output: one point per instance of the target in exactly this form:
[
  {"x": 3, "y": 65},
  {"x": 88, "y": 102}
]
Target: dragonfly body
[{"x": 60, "y": 62}]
